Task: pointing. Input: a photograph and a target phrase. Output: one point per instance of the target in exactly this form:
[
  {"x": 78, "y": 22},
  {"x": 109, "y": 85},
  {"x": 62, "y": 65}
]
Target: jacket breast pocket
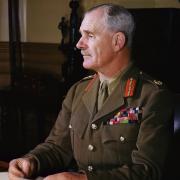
[{"x": 119, "y": 141}]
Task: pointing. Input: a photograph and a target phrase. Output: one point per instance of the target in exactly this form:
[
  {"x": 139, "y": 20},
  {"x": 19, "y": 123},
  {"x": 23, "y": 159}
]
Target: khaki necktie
[{"x": 103, "y": 94}]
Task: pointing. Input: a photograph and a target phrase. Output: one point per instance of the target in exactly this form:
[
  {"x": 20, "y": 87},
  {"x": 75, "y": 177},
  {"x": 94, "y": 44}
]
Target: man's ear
[{"x": 118, "y": 41}]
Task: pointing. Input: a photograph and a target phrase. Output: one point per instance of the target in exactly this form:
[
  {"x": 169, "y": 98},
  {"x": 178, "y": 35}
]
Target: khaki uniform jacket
[{"x": 125, "y": 140}]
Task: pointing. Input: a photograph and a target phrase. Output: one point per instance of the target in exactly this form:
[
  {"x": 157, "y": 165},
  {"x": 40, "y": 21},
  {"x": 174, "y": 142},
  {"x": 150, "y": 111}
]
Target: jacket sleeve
[
  {"x": 55, "y": 154},
  {"x": 152, "y": 143}
]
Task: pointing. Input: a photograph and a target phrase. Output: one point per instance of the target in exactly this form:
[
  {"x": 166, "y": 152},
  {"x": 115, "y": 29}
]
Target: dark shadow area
[
  {"x": 156, "y": 44},
  {"x": 27, "y": 113},
  {"x": 172, "y": 168}
]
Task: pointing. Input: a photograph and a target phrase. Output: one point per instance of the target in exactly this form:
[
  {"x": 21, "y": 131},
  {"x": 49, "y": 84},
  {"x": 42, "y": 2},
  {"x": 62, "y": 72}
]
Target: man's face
[{"x": 95, "y": 42}]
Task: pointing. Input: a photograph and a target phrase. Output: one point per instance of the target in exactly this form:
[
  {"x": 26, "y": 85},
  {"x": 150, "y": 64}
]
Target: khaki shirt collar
[{"x": 113, "y": 81}]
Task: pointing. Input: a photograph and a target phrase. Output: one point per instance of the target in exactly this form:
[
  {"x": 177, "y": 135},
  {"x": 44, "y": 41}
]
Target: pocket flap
[{"x": 120, "y": 132}]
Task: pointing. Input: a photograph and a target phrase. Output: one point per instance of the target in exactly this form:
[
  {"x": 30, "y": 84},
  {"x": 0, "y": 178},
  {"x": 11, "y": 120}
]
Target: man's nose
[{"x": 80, "y": 44}]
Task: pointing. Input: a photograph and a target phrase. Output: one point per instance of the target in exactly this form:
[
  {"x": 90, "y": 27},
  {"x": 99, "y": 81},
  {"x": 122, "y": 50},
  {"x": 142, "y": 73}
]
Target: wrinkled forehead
[{"x": 93, "y": 19}]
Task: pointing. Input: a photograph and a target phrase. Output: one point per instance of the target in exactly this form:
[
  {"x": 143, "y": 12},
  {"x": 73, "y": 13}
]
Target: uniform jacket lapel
[
  {"x": 117, "y": 99},
  {"x": 114, "y": 101},
  {"x": 90, "y": 96}
]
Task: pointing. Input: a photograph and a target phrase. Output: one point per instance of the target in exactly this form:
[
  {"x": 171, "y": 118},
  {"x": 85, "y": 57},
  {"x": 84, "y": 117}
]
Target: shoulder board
[
  {"x": 153, "y": 81},
  {"x": 88, "y": 77},
  {"x": 92, "y": 79}
]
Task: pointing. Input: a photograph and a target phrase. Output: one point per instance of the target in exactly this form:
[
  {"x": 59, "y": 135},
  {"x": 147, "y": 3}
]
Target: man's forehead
[
  {"x": 95, "y": 14},
  {"x": 91, "y": 21}
]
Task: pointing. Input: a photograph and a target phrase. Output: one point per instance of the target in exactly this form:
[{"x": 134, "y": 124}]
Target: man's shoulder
[
  {"x": 85, "y": 81},
  {"x": 151, "y": 81},
  {"x": 87, "y": 78}
]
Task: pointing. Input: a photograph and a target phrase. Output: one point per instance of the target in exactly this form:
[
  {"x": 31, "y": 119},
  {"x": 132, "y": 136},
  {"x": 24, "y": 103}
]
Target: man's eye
[{"x": 90, "y": 35}]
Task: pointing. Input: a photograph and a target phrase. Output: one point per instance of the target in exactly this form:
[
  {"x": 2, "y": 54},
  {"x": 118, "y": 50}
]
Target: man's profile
[{"x": 126, "y": 135}]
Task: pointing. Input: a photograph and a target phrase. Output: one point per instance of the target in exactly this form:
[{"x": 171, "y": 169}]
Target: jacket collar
[
  {"x": 115, "y": 100},
  {"x": 90, "y": 95}
]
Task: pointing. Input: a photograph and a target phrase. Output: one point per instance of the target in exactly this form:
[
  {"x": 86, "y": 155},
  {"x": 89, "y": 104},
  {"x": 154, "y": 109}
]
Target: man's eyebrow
[{"x": 85, "y": 31}]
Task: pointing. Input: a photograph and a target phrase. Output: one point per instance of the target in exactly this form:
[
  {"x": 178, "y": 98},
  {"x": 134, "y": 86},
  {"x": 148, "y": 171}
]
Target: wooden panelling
[
  {"x": 28, "y": 111},
  {"x": 42, "y": 57},
  {"x": 38, "y": 58},
  {"x": 4, "y": 65},
  {"x": 4, "y": 57}
]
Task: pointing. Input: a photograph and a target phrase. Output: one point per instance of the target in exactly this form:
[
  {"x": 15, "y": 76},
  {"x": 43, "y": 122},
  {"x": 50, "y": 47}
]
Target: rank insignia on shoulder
[
  {"x": 93, "y": 78},
  {"x": 159, "y": 83},
  {"x": 130, "y": 87},
  {"x": 88, "y": 77}
]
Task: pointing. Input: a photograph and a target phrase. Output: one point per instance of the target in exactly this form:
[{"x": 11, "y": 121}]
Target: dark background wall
[{"x": 156, "y": 47}]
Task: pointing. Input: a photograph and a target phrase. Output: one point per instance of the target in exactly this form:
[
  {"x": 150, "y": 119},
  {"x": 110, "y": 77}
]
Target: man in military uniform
[{"x": 121, "y": 133}]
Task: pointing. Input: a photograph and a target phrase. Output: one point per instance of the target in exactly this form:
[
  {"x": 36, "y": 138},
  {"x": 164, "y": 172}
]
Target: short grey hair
[{"x": 118, "y": 19}]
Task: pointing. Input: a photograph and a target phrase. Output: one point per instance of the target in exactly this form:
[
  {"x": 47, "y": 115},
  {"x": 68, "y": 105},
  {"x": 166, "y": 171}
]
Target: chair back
[{"x": 4, "y": 166}]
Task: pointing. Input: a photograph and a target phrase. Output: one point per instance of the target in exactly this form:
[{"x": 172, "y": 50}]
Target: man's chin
[{"x": 87, "y": 66}]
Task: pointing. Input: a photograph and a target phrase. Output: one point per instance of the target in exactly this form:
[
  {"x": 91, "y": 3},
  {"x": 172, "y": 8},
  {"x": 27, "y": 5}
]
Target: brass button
[
  {"x": 90, "y": 168},
  {"x": 122, "y": 138},
  {"x": 158, "y": 82},
  {"x": 94, "y": 126},
  {"x": 90, "y": 147}
]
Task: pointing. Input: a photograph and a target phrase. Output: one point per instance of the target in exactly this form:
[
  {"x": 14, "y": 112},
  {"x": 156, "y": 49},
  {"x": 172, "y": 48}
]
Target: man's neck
[{"x": 121, "y": 60}]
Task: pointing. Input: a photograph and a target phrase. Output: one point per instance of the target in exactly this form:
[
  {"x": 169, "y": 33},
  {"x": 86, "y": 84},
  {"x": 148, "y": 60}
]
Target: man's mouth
[{"x": 85, "y": 54}]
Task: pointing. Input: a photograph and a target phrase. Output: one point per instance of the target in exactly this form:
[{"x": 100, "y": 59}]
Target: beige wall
[
  {"x": 135, "y": 3},
  {"x": 39, "y": 18},
  {"x": 168, "y": 3},
  {"x": 43, "y": 17},
  {"x": 4, "y": 33}
]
